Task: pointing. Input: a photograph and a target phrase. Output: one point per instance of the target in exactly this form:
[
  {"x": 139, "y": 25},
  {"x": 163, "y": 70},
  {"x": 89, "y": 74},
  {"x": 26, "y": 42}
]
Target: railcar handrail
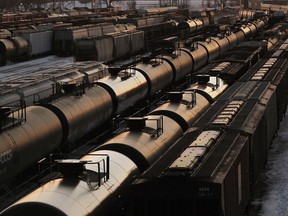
[{"x": 75, "y": 168}]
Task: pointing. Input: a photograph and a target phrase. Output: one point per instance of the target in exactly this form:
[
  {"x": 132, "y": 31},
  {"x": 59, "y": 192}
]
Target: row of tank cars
[
  {"x": 89, "y": 185},
  {"x": 121, "y": 36},
  {"x": 213, "y": 169},
  {"x": 56, "y": 82}
]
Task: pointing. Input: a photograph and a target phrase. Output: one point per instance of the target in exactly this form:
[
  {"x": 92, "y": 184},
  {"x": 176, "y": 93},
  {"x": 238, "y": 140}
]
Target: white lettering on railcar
[{"x": 6, "y": 156}]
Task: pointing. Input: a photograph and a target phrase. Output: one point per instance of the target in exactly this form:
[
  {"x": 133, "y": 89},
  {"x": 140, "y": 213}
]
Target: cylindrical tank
[
  {"x": 21, "y": 45},
  {"x": 250, "y": 14},
  {"x": 199, "y": 24},
  {"x": 253, "y": 28},
  {"x": 247, "y": 14},
  {"x": 223, "y": 44},
  {"x": 141, "y": 146},
  {"x": 260, "y": 24},
  {"x": 186, "y": 110},
  {"x": 7, "y": 48},
  {"x": 240, "y": 36},
  {"x": 30, "y": 141},
  {"x": 241, "y": 14},
  {"x": 232, "y": 38},
  {"x": 181, "y": 62},
  {"x": 271, "y": 42},
  {"x": 212, "y": 48},
  {"x": 159, "y": 74},
  {"x": 190, "y": 25},
  {"x": 199, "y": 55},
  {"x": 126, "y": 88},
  {"x": 5, "y": 34},
  {"x": 247, "y": 31},
  {"x": 81, "y": 114},
  {"x": 211, "y": 90},
  {"x": 73, "y": 196}
]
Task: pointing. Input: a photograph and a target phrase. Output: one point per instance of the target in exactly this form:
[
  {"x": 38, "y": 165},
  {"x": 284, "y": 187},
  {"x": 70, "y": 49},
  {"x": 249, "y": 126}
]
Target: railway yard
[{"x": 161, "y": 113}]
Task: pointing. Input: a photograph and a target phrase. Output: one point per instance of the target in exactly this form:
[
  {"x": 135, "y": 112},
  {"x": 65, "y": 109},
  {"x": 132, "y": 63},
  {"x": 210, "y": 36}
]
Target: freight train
[
  {"x": 214, "y": 168},
  {"x": 56, "y": 36},
  {"x": 63, "y": 121},
  {"x": 129, "y": 153},
  {"x": 28, "y": 90},
  {"x": 109, "y": 47},
  {"x": 149, "y": 143},
  {"x": 64, "y": 41},
  {"x": 25, "y": 45},
  {"x": 33, "y": 17},
  {"x": 131, "y": 39},
  {"x": 60, "y": 38}
]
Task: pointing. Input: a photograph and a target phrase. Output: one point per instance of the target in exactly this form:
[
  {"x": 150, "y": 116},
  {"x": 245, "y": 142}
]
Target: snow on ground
[
  {"x": 271, "y": 197},
  {"x": 26, "y": 68}
]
